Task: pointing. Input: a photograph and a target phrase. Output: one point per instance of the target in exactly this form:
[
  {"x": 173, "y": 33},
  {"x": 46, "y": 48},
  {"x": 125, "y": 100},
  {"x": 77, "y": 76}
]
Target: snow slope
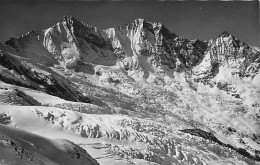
[{"x": 21, "y": 147}]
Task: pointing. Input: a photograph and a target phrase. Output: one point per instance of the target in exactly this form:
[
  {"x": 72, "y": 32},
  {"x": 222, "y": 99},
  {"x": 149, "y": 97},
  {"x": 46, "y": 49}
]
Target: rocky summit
[{"x": 134, "y": 94}]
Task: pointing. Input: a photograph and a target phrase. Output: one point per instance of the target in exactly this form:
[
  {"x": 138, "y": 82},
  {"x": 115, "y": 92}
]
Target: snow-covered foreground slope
[
  {"x": 21, "y": 147},
  {"x": 136, "y": 94}
]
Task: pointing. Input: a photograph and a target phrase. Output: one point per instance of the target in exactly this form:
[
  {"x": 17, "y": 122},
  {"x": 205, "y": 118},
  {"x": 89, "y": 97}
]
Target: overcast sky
[{"x": 202, "y": 20}]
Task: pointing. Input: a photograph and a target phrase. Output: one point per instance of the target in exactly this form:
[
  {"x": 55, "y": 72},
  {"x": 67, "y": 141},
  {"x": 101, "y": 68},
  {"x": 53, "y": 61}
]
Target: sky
[{"x": 192, "y": 20}]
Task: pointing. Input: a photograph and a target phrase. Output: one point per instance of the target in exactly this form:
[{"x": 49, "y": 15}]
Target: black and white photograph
[{"x": 134, "y": 82}]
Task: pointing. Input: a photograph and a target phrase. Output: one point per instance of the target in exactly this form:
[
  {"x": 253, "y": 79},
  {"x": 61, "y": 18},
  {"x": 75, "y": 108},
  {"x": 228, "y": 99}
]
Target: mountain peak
[
  {"x": 225, "y": 34},
  {"x": 139, "y": 20},
  {"x": 67, "y": 18},
  {"x": 142, "y": 23}
]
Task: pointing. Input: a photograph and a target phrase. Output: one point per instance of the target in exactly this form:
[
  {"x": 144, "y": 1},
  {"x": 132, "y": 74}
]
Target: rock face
[
  {"x": 140, "y": 47},
  {"x": 67, "y": 43},
  {"x": 151, "y": 47},
  {"x": 27, "y": 73},
  {"x": 227, "y": 52}
]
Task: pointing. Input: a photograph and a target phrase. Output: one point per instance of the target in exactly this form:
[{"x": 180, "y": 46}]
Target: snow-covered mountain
[
  {"x": 226, "y": 51},
  {"x": 69, "y": 42},
  {"x": 138, "y": 92},
  {"x": 150, "y": 47}
]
